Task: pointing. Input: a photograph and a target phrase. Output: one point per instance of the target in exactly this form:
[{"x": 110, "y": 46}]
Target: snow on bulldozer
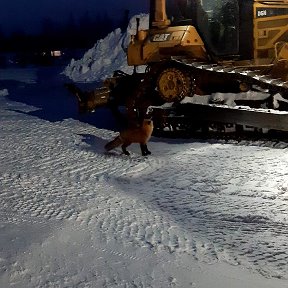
[{"x": 209, "y": 65}]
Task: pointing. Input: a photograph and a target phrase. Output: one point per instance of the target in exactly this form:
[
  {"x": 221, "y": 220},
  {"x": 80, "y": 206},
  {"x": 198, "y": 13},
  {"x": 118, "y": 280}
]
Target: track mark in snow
[
  {"x": 199, "y": 199},
  {"x": 208, "y": 215}
]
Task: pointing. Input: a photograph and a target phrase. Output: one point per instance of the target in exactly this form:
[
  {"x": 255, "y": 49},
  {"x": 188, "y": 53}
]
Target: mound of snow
[
  {"x": 4, "y": 92},
  {"x": 107, "y": 55}
]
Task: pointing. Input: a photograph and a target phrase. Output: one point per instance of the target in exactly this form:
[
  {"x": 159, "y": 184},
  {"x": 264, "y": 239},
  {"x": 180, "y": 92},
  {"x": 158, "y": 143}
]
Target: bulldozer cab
[
  {"x": 217, "y": 22},
  {"x": 244, "y": 29}
]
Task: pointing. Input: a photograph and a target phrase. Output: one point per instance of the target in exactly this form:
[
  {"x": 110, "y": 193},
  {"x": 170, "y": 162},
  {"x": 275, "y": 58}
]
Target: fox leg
[
  {"x": 124, "y": 146},
  {"x": 144, "y": 150}
]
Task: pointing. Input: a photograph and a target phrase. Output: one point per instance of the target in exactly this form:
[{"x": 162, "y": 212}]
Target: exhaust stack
[{"x": 160, "y": 17}]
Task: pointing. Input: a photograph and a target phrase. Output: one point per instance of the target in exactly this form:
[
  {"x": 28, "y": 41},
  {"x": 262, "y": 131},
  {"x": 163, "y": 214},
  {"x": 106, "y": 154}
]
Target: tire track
[
  {"x": 229, "y": 208},
  {"x": 203, "y": 206}
]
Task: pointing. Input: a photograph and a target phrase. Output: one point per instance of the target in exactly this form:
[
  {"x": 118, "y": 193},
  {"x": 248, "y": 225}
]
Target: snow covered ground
[
  {"x": 193, "y": 214},
  {"x": 200, "y": 214}
]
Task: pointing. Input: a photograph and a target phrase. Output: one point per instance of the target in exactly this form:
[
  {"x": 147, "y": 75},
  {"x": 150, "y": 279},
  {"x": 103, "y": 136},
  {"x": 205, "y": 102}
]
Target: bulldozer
[{"x": 205, "y": 49}]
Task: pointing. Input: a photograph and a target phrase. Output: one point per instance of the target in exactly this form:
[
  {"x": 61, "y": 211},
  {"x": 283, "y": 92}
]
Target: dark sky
[{"x": 27, "y": 15}]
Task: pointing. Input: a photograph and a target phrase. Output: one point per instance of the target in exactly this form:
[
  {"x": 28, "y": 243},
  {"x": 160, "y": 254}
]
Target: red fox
[{"x": 139, "y": 135}]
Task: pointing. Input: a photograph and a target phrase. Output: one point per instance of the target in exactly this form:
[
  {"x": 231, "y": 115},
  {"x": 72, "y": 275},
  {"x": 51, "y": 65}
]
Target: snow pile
[
  {"x": 4, "y": 92},
  {"x": 107, "y": 55}
]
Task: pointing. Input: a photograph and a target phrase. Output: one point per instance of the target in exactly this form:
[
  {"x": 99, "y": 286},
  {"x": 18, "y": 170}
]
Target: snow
[
  {"x": 17, "y": 74},
  {"x": 107, "y": 55},
  {"x": 194, "y": 214},
  {"x": 4, "y": 92},
  {"x": 227, "y": 98}
]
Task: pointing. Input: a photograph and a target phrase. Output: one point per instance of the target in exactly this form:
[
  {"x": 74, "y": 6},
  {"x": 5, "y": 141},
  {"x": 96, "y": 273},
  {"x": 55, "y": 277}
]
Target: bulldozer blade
[{"x": 89, "y": 101}]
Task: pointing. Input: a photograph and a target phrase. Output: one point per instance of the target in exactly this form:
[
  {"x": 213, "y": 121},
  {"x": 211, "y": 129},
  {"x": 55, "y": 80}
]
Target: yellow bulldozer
[{"x": 195, "y": 48}]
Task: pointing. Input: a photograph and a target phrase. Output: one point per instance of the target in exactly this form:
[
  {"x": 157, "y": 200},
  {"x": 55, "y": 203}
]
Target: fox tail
[{"x": 113, "y": 144}]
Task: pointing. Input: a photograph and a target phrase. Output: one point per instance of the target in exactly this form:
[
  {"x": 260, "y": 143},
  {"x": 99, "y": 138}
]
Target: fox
[{"x": 128, "y": 136}]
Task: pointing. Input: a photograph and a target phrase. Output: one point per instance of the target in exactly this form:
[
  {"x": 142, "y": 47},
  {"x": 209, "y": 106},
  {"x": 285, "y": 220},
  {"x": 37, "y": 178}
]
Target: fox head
[
  {"x": 147, "y": 126},
  {"x": 147, "y": 122}
]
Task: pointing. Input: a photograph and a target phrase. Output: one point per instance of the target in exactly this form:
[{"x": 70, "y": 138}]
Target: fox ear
[{"x": 147, "y": 121}]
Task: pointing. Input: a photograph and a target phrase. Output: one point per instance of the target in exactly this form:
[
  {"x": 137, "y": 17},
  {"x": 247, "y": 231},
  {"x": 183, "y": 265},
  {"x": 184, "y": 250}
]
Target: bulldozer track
[
  {"x": 179, "y": 119},
  {"x": 200, "y": 121},
  {"x": 259, "y": 77},
  {"x": 274, "y": 139}
]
